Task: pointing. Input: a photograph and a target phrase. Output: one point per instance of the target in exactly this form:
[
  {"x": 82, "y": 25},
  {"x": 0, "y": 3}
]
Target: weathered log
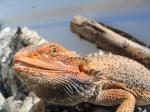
[{"x": 111, "y": 39}]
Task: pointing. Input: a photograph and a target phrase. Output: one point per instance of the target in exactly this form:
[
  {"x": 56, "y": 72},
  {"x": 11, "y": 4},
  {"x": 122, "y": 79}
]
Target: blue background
[{"x": 51, "y": 18}]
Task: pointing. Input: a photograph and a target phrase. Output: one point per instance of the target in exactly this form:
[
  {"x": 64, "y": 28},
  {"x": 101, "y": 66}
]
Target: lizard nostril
[{"x": 34, "y": 55}]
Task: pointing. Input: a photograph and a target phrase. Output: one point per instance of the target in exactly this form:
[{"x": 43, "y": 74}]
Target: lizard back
[{"x": 121, "y": 69}]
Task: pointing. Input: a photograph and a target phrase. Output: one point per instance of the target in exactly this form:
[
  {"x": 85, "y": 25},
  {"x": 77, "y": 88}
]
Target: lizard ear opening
[{"x": 83, "y": 66}]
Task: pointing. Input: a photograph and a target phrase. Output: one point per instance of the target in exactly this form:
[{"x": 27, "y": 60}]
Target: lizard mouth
[{"x": 21, "y": 63}]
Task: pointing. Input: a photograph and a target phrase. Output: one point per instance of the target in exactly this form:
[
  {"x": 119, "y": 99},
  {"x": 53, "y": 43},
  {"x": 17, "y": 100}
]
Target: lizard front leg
[{"x": 114, "y": 97}]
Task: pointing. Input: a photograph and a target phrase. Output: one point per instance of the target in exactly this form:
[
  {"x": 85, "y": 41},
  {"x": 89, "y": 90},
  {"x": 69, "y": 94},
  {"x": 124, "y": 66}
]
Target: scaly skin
[{"x": 59, "y": 76}]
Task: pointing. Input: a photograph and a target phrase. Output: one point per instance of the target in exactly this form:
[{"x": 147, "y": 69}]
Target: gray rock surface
[
  {"x": 13, "y": 104},
  {"x": 2, "y": 101},
  {"x": 17, "y": 95},
  {"x": 11, "y": 40}
]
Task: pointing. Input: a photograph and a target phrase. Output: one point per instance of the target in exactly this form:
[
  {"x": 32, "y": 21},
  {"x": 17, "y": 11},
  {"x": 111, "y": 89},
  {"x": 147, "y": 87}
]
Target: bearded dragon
[{"x": 59, "y": 76}]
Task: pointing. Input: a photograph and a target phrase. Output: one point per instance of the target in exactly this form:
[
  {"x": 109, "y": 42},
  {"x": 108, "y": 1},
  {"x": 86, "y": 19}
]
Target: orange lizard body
[{"x": 59, "y": 76}]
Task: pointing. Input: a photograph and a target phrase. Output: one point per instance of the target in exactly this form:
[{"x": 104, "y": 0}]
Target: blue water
[{"x": 51, "y": 19}]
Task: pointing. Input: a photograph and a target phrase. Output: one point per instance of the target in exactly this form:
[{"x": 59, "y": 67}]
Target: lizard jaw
[{"x": 26, "y": 62}]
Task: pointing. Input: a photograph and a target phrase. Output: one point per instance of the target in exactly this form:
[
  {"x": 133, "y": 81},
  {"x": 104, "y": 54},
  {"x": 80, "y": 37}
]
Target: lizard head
[
  {"x": 43, "y": 69},
  {"x": 48, "y": 56}
]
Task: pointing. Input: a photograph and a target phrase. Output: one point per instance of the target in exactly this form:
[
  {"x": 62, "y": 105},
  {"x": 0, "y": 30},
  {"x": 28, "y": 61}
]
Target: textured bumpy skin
[{"x": 59, "y": 76}]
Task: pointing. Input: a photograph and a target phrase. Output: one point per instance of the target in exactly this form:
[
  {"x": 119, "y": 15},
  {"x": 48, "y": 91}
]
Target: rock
[
  {"x": 2, "y": 100},
  {"x": 11, "y": 40},
  {"x": 13, "y": 104},
  {"x": 29, "y": 102}
]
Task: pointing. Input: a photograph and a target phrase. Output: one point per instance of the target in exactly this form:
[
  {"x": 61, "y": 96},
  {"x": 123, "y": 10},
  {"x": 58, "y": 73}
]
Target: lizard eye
[{"x": 53, "y": 51}]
